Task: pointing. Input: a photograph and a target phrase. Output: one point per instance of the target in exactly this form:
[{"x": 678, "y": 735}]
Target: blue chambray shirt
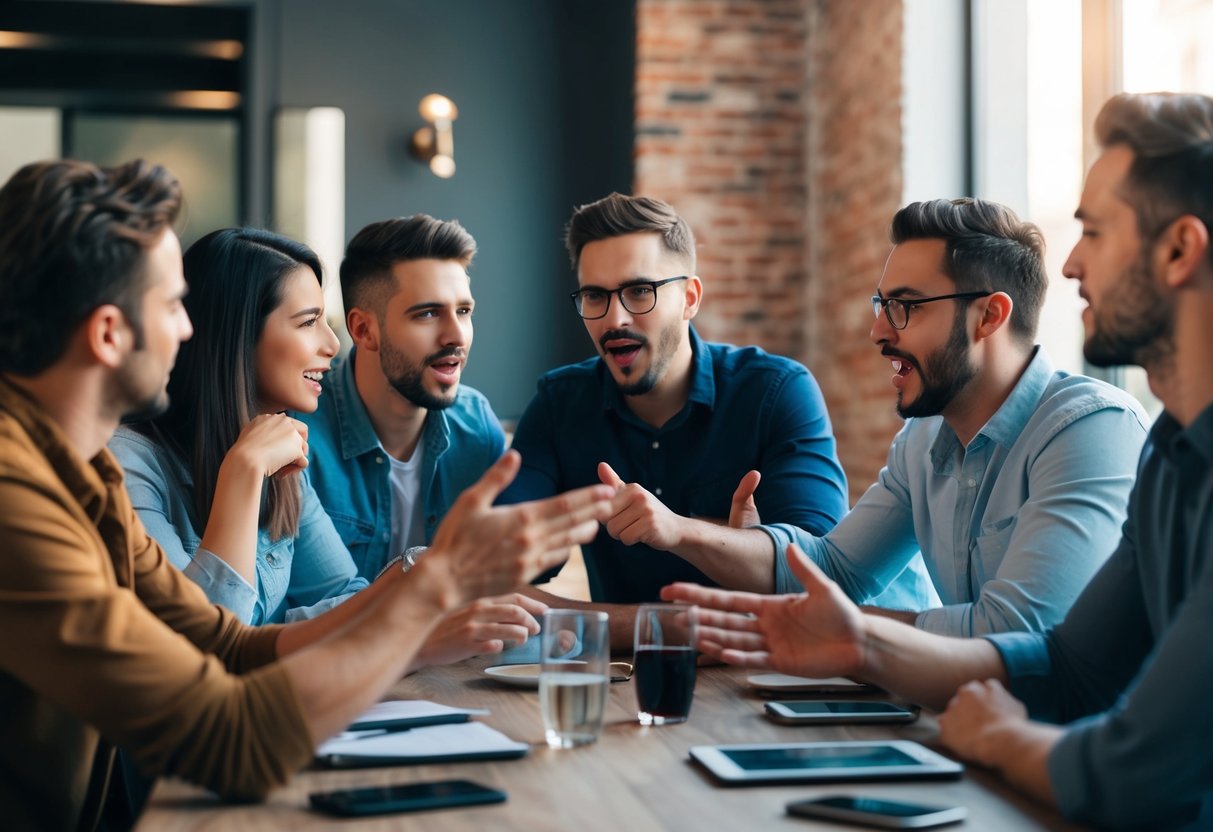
[
  {"x": 747, "y": 409},
  {"x": 297, "y": 577},
  {"x": 1130, "y": 669},
  {"x": 352, "y": 474},
  {"x": 1011, "y": 527}
]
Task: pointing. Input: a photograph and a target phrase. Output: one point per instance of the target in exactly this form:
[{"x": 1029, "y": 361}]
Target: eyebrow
[
  {"x": 433, "y": 304},
  {"x": 635, "y": 281},
  {"x": 314, "y": 310},
  {"x": 901, "y": 292}
]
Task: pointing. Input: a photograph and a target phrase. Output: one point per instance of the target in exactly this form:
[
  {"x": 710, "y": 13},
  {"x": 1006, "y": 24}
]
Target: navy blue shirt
[
  {"x": 1130, "y": 669},
  {"x": 747, "y": 410}
]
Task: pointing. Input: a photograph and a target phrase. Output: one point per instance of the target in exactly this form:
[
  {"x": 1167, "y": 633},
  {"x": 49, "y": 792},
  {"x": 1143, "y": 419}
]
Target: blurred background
[{"x": 786, "y": 131}]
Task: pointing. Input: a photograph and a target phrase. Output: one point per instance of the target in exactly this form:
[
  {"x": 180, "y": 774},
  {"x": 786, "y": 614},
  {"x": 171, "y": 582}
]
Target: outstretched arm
[{"x": 821, "y": 633}]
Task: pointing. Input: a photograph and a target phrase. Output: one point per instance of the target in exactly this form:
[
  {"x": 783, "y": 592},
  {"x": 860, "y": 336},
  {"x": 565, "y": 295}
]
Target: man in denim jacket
[{"x": 396, "y": 438}]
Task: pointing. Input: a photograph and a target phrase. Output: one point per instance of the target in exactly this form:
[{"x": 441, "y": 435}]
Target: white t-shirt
[{"x": 408, "y": 513}]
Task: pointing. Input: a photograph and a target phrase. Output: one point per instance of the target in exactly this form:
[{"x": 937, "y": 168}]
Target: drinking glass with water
[{"x": 573, "y": 676}]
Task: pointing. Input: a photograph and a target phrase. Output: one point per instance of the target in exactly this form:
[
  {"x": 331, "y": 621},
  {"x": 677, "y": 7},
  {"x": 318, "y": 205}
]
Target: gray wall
[{"x": 544, "y": 90}]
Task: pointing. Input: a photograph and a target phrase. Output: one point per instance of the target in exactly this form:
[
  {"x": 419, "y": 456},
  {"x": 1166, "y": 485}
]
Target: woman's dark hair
[{"x": 235, "y": 278}]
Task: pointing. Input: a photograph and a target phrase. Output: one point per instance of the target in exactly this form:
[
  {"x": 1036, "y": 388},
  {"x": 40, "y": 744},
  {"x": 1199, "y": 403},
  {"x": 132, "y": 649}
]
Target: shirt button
[
  {"x": 379, "y": 459},
  {"x": 656, "y": 444},
  {"x": 972, "y": 482},
  {"x": 657, "y": 491}
]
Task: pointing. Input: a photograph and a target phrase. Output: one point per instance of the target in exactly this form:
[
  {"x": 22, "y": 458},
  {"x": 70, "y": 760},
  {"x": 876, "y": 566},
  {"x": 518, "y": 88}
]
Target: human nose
[
  {"x": 331, "y": 343},
  {"x": 617, "y": 315},
  {"x": 882, "y": 331},
  {"x": 1071, "y": 267}
]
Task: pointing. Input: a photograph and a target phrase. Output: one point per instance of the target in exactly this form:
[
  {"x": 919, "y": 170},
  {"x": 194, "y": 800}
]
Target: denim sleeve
[
  {"x": 1078, "y": 487},
  {"x": 802, "y": 481},
  {"x": 158, "y": 495},
  {"x": 871, "y": 547},
  {"x": 322, "y": 571},
  {"x": 1142, "y": 760}
]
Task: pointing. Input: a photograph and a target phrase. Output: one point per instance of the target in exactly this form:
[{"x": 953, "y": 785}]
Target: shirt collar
[
  {"x": 354, "y": 423},
  {"x": 703, "y": 379},
  {"x": 1186, "y": 447},
  {"x": 88, "y": 482},
  {"x": 1008, "y": 422}
]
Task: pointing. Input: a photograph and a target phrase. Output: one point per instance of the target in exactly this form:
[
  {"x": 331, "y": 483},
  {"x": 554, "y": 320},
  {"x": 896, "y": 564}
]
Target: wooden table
[{"x": 633, "y": 779}]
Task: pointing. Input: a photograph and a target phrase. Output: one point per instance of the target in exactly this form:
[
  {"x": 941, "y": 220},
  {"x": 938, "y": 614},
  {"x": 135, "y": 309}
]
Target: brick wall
[{"x": 774, "y": 127}]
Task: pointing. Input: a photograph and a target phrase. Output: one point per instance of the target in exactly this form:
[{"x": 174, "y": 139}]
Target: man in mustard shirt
[{"x": 108, "y": 646}]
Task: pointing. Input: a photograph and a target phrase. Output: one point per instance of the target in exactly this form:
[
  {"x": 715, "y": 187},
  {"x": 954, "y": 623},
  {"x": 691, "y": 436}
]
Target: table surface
[{"x": 634, "y": 778}]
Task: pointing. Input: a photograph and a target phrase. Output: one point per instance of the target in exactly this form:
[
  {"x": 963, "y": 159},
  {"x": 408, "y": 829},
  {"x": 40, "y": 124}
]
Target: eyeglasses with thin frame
[
  {"x": 638, "y": 297},
  {"x": 897, "y": 310}
]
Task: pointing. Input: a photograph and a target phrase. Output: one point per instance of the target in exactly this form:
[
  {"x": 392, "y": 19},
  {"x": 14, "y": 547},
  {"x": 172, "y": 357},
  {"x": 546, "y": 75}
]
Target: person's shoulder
[
  {"x": 750, "y": 359},
  {"x": 574, "y": 375},
  {"x": 128, "y": 444},
  {"x": 1074, "y": 394},
  {"x": 472, "y": 411}
]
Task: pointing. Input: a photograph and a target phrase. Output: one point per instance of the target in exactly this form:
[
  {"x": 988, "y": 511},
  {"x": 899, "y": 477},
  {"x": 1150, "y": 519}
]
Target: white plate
[
  {"x": 803, "y": 684},
  {"x": 518, "y": 675}
]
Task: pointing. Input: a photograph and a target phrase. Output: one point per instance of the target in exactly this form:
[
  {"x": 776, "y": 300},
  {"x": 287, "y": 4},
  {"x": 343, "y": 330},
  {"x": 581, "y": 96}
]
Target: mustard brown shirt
[{"x": 104, "y": 644}]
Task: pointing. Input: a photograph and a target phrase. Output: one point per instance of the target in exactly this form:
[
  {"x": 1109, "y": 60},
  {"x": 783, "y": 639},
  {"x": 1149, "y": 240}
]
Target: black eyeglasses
[
  {"x": 897, "y": 310},
  {"x": 638, "y": 298}
]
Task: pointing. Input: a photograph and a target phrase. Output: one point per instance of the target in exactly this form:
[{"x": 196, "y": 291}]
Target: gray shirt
[{"x": 1131, "y": 667}]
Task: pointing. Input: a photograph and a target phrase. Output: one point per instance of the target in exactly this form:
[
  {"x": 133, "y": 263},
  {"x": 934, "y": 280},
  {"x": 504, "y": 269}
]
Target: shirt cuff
[
  {"x": 785, "y": 581},
  {"x": 1030, "y": 671},
  {"x": 222, "y": 584}
]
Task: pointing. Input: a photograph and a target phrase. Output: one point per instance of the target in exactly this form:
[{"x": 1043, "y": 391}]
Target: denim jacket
[
  {"x": 351, "y": 472},
  {"x": 297, "y": 577}
]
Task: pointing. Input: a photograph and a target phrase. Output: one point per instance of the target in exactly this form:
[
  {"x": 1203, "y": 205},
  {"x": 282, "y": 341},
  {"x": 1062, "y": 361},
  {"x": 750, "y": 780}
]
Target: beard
[
  {"x": 134, "y": 398},
  {"x": 1135, "y": 321},
  {"x": 663, "y": 353},
  {"x": 942, "y": 376},
  {"x": 408, "y": 378}
]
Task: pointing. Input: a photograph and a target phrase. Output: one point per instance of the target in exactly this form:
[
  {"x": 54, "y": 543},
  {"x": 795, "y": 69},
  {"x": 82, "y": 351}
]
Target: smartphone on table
[
  {"x": 406, "y": 797},
  {"x": 810, "y": 712},
  {"x": 877, "y": 813}
]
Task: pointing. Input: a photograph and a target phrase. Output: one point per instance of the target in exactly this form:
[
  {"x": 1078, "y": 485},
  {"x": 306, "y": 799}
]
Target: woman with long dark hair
[{"x": 219, "y": 479}]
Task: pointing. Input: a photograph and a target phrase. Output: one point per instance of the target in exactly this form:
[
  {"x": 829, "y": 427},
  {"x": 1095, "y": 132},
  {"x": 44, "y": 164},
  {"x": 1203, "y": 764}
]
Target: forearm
[
  {"x": 311, "y": 630},
  {"x": 908, "y": 617},
  {"x": 1019, "y": 751},
  {"x": 621, "y": 617},
  {"x": 231, "y": 529},
  {"x": 340, "y": 668},
  {"x": 740, "y": 559},
  {"x": 923, "y": 667}
]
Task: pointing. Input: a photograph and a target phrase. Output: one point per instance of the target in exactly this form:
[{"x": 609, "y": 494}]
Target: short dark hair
[
  {"x": 366, "y": 271},
  {"x": 236, "y": 278},
  {"x": 73, "y": 237},
  {"x": 617, "y": 215},
  {"x": 988, "y": 249},
  {"x": 1171, "y": 136}
]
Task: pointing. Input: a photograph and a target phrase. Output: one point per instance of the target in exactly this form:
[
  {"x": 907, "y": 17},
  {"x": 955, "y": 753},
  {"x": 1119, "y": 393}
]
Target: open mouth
[
  {"x": 901, "y": 371},
  {"x": 447, "y": 369},
  {"x": 314, "y": 377}
]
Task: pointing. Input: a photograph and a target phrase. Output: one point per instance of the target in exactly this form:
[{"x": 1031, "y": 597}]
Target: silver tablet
[{"x": 814, "y": 762}]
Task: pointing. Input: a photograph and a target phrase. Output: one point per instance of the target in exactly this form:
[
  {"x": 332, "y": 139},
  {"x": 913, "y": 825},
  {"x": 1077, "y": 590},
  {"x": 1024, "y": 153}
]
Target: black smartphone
[
  {"x": 880, "y": 814},
  {"x": 812, "y": 712},
  {"x": 407, "y": 797}
]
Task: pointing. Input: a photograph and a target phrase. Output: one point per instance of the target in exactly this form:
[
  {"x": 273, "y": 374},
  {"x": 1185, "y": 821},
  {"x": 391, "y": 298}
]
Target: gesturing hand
[
  {"x": 485, "y": 625},
  {"x": 817, "y": 633},
  {"x": 743, "y": 513},
  {"x": 977, "y": 714},
  {"x": 640, "y": 517},
  {"x": 486, "y": 549}
]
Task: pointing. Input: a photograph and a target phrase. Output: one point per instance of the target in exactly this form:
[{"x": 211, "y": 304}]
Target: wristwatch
[{"x": 406, "y": 561}]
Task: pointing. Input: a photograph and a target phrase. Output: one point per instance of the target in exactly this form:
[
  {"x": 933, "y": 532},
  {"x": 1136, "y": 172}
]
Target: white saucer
[
  {"x": 518, "y": 675},
  {"x": 803, "y": 684}
]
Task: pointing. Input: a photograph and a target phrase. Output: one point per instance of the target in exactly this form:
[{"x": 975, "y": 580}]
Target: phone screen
[
  {"x": 877, "y": 807},
  {"x": 868, "y": 756},
  {"x": 843, "y": 707},
  {"x": 405, "y": 798}
]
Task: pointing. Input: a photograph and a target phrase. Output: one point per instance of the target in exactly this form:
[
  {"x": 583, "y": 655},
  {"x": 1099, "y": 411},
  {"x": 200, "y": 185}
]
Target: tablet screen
[{"x": 765, "y": 759}]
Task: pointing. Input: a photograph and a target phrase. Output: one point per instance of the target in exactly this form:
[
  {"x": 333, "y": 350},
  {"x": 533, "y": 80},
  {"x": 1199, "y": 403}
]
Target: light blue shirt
[
  {"x": 297, "y": 577},
  {"x": 1010, "y": 527},
  {"x": 352, "y": 475}
]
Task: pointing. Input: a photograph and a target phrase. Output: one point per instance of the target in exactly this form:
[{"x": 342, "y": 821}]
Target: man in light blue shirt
[
  {"x": 396, "y": 437},
  {"x": 1126, "y": 677},
  {"x": 1010, "y": 476}
]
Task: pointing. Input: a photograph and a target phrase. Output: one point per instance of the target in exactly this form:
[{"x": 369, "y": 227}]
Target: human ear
[
  {"x": 108, "y": 335},
  {"x": 996, "y": 312},
  {"x": 1183, "y": 247},
  {"x": 694, "y": 294},
  {"x": 363, "y": 327}
]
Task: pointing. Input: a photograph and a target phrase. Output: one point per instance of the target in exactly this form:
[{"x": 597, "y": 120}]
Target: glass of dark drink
[{"x": 665, "y": 662}]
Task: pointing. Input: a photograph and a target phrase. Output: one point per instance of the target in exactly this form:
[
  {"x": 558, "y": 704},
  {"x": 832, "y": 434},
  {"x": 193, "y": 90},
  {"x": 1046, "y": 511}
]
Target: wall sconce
[{"x": 435, "y": 143}]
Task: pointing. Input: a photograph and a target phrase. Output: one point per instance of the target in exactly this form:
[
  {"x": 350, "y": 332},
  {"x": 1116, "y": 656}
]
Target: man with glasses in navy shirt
[{"x": 672, "y": 420}]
